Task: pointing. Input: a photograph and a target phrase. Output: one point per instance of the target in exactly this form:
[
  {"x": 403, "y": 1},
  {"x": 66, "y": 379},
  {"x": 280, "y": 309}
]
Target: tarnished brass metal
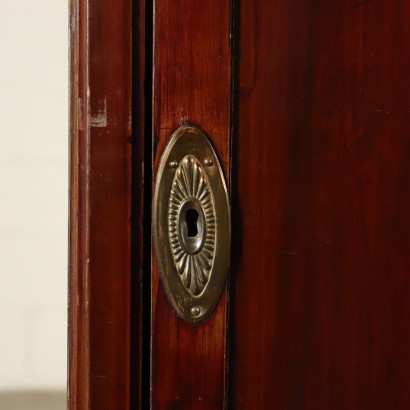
[{"x": 191, "y": 224}]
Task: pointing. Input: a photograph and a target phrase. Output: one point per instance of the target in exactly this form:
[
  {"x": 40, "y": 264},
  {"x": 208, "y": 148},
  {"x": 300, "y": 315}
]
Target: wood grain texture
[
  {"x": 321, "y": 199},
  {"x": 191, "y": 86},
  {"x": 100, "y": 189}
]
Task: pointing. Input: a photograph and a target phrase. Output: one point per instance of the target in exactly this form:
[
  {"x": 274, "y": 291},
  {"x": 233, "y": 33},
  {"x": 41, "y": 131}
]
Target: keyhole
[{"x": 191, "y": 219}]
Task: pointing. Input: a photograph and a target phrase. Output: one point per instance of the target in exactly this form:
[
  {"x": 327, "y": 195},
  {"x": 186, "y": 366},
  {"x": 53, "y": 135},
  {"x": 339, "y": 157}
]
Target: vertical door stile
[
  {"x": 100, "y": 204},
  {"x": 192, "y": 69}
]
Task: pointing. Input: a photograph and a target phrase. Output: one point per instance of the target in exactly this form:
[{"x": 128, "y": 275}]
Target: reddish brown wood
[
  {"x": 321, "y": 199},
  {"x": 191, "y": 86},
  {"x": 99, "y": 318}
]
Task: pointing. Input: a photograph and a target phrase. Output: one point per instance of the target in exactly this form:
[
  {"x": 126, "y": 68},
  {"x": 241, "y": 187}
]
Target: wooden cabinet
[{"x": 307, "y": 105}]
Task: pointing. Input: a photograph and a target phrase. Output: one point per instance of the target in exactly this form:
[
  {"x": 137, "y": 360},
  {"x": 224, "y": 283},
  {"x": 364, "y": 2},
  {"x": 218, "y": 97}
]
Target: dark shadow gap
[
  {"x": 236, "y": 219},
  {"x": 141, "y": 190},
  {"x": 148, "y": 175}
]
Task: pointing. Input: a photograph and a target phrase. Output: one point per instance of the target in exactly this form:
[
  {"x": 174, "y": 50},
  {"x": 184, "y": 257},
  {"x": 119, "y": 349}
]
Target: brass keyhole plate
[{"x": 191, "y": 224}]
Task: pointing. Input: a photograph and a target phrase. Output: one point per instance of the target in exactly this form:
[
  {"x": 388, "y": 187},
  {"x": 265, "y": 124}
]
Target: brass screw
[{"x": 195, "y": 311}]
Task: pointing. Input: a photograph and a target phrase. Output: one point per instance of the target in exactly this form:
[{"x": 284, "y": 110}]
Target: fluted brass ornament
[{"x": 191, "y": 224}]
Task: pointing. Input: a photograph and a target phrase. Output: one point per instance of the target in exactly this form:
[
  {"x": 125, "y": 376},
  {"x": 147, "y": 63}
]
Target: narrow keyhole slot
[{"x": 191, "y": 219}]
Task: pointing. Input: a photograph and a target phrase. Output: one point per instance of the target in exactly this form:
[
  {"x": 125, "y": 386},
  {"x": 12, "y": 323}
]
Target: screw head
[
  {"x": 195, "y": 311},
  {"x": 173, "y": 164},
  {"x": 208, "y": 162}
]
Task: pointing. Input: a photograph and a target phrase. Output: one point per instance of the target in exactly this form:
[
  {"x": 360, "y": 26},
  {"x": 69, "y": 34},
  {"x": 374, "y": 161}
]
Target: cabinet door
[
  {"x": 192, "y": 86},
  {"x": 307, "y": 107},
  {"x": 320, "y": 199}
]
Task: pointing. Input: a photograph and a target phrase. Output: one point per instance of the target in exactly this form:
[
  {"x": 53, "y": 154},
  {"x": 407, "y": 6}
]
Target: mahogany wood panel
[
  {"x": 320, "y": 201},
  {"x": 100, "y": 180},
  {"x": 191, "y": 86}
]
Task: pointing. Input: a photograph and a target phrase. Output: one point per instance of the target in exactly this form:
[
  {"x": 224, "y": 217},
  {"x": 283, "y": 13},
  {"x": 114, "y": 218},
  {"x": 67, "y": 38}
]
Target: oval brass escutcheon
[{"x": 191, "y": 224}]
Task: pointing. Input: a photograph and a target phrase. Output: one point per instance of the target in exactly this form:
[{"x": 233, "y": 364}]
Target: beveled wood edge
[{"x": 75, "y": 381}]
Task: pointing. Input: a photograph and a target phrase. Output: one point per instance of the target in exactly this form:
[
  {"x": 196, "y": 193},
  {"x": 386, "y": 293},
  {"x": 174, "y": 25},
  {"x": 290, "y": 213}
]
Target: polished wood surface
[
  {"x": 100, "y": 207},
  {"x": 321, "y": 199},
  {"x": 191, "y": 86},
  {"x": 319, "y": 299}
]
